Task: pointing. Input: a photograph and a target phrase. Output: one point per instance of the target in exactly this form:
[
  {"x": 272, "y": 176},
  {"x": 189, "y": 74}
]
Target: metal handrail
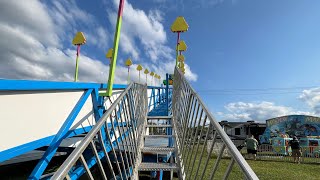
[
  {"x": 131, "y": 111},
  {"x": 189, "y": 116}
]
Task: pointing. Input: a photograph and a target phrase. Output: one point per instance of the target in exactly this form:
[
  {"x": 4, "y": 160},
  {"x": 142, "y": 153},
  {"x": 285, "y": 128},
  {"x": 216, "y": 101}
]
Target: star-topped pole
[
  {"x": 181, "y": 67},
  {"x": 182, "y": 47},
  {"x": 78, "y": 40},
  {"x": 178, "y": 26},
  {"x": 109, "y": 55},
  {"x": 146, "y": 71},
  {"x": 115, "y": 50},
  {"x": 139, "y": 68},
  {"x": 154, "y": 80},
  {"x": 151, "y": 74},
  {"x": 128, "y": 64},
  {"x": 159, "y": 77}
]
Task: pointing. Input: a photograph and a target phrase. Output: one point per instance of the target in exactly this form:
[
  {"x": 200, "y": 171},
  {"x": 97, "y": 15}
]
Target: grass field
[
  {"x": 265, "y": 169},
  {"x": 284, "y": 170}
]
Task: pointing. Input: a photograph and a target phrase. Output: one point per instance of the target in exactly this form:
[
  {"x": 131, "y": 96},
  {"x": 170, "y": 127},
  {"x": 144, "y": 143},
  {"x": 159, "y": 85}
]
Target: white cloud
[
  {"x": 312, "y": 98},
  {"x": 69, "y": 19},
  {"x": 142, "y": 27},
  {"x": 241, "y": 111},
  {"x": 139, "y": 27},
  {"x": 30, "y": 47},
  {"x": 30, "y": 18}
]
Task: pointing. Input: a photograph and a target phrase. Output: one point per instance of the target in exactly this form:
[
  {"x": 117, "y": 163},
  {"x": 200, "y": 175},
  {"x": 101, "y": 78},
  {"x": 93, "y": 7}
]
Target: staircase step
[
  {"x": 157, "y": 149},
  {"x": 160, "y": 126},
  {"x": 157, "y": 166},
  {"x": 159, "y": 136},
  {"x": 159, "y": 117}
]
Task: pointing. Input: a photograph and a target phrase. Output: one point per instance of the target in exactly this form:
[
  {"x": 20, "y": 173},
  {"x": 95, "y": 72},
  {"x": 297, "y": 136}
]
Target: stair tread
[
  {"x": 158, "y": 136},
  {"x": 165, "y": 125},
  {"x": 158, "y": 149},
  {"x": 144, "y": 166},
  {"x": 159, "y": 117}
]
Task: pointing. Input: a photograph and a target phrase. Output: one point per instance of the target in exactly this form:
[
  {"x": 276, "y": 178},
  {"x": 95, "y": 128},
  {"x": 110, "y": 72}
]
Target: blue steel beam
[
  {"x": 167, "y": 93},
  {"x": 44, "y": 161},
  {"x": 10, "y": 85},
  {"x": 78, "y": 172},
  {"x": 18, "y": 150}
]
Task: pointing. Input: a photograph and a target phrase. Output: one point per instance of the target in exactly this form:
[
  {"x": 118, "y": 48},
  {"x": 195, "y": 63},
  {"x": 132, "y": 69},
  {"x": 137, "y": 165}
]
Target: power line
[
  {"x": 257, "y": 89},
  {"x": 244, "y": 94}
]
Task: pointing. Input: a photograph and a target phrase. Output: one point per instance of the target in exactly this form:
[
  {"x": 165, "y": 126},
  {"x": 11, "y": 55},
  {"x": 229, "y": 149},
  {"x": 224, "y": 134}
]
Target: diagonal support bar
[{"x": 46, "y": 158}]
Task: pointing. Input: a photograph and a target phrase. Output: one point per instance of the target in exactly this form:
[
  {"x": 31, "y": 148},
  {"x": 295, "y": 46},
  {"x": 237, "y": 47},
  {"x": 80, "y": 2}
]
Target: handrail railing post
[{"x": 184, "y": 122}]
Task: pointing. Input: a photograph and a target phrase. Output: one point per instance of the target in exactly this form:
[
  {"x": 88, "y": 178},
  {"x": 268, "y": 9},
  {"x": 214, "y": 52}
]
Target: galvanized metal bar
[
  {"x": 122, "y": 132},
  {"x": 106, "y": 154},
  {"x": 184, "y": 105},
  {"x": 209, "y": 154},
  {"x": 216, "y": 163},
  {"x": 94, "y": 149},
  {"x": 193, "y": 141},
  {"x": 117, "y": 144},
  {"x": 203, "y": 148},
  {"x": 192, "y": 122},
  {"x": 71, "y": 160},
  {"x": 133, "y": 134},
  {"x": 196, "y": 152},
  {"x": 85, "y": 165},
  {"x": 226, "y": 175},
  {"x": 112, "y": 148},
  {"x": 182, "y": 86},
  {"x": 187, "y": 120},
  {"x": 130, "y": 146}
]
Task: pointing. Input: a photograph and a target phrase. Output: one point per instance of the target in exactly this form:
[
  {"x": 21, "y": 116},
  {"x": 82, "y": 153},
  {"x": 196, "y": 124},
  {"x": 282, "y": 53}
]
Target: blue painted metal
[
  {"x": 31, "y": 85},
  {"x": 160, "y": 175},
  {"x": 44, "y": 161},
  {"x": 159, "y": 96},
  {"x": 18, "y": 150},
  {"x": 161, "y": 107},
  {"x": 9, "y": 85},
  {"x": 92, "y": 161},
  {"x": 97, "y": 105},
  {"x": 150, "y": 99},
  {"x": 167, "y": 93},
  {"x": 156, "y": 87},
  {"x": 154, "y": 97},
  {"x": 131, "y": 110}
]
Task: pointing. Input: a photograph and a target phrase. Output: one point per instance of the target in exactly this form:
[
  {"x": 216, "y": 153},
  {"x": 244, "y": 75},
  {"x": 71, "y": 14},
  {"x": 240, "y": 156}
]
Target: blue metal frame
[
  {"x": 9, "y": 85},
  {"x": 31, "y": 85},
  {"x": 16, "y": 151},
  {"x": 167, "y": 93},
  {"x": 162, "y": 96},
  {"x": 92, "y": 161},
  {"x": 44, "y": 161}
]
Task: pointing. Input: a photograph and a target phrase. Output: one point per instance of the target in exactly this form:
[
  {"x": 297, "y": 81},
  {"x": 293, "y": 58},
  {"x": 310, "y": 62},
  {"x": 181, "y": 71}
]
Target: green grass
[
  {"x": 264, "y": 169},
  {"x": 284, "y": 170}
]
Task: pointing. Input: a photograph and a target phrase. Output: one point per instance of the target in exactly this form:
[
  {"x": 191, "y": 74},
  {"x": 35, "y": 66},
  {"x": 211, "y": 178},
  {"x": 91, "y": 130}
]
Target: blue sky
[{"x": 248, "y": 59}]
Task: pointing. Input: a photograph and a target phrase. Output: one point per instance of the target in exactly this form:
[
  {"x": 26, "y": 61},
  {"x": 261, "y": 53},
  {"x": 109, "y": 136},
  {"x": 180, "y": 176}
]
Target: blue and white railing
[{"x": 42, "y": 113}]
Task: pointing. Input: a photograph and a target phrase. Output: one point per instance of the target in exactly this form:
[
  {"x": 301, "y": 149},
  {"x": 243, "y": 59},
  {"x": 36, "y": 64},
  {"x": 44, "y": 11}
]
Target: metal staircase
[
  {"x": 155, "y": 148},
  {"x": 166, "y": 132}
]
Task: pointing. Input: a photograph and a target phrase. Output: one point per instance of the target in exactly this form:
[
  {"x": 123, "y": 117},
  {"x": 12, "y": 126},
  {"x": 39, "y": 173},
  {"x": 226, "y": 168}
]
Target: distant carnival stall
[{"x": 288, "y": 126}]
